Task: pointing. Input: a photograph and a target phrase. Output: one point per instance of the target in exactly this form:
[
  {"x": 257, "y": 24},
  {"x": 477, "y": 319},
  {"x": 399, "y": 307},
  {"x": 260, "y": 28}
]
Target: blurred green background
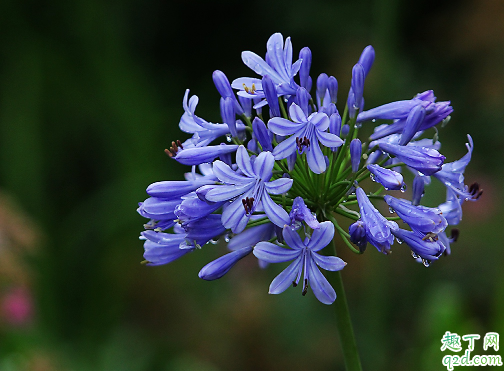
[{"x": 91, "y": 94}]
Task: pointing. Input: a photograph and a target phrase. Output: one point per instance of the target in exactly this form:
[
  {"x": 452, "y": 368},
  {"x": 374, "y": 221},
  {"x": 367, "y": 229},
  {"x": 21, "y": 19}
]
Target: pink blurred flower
[{"x": 17, "y": 306}]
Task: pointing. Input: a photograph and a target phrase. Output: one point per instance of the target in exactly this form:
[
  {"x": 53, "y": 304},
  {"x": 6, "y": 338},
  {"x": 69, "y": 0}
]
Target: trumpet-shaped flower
[
  {"x": 203, "y": 132},
  {"x": 278, "y": 65},
  {"x": 249, "y": 190},
  {"x": 420, "y": 218},
  {"x": 377, "y": 227},
  {"x": 305, "y": 260},
  {"x": 426, "y": 248},
  {"x": 426, "y": 160},
  {"x": 452, "y": 174},
  {"x": 390, "y": 179},
  {"x": 306, "y": 133}
]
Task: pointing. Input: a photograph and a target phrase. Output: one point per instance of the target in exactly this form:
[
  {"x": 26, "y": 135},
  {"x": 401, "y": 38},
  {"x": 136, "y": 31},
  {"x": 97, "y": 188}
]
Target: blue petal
[
  {"x": 222, "y": 265},
  {"x": 271, "y": 253},
  {"x": 274, "y": 48},
  {"x": 199, "y": 155},
  {"x": 288, "y": 56},
  {"x": 243, "y": 162},
  {"x": 322, "y": 289},
  {"x": 295, "y": 67},
  {"x": 300, "y": 212},
  {"x": 158, "y": 208},
  {"x": 279, "y": 186},
  {"x": 263, "y": 166},
  {"x": 281, "y": 282},
  {"x": 174, "y": 188},
  {"x": 227, "y": 192},
  {"x": 263, "y": 134},
  {"x": 286, "y": 148},
  {"x": 328, "y": 139},
  {"x": 251, "y": 236},
  {"x": 297, "y": 114},
  {"x": 275, "y": 212},
  {"x": 234, "y": 217},
  {"x": 283, "y": 126},
  {"x": 292, "y": 239},
  {"x": 315, "y": 157},
  {"x": 321, "y": 237},
  {"x": 329, "y": 263},
  {"x": 320, "y": 120},
  {"x": 226, "y": 175},
  {"x": 259, "y": 66}
]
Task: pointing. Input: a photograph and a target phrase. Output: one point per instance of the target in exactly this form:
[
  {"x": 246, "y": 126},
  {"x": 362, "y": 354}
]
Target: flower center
[
  {"x": 248, "y": 203},
  {"x": 301, "y": 143},
  {"x": 174, "y": 148},
  {"x": 251, "y": 90}
]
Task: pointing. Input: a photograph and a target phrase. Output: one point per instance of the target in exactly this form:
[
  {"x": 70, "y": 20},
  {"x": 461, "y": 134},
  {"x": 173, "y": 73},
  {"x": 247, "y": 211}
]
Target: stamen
[
  {"x": 251, "y": 90},
  {"x": 294, "y": 284},
  {"x": 475, "y": 191},
  {"x": 455, "y": 233},
  {"x": 174, "y": 148},
  {"x": 300, "y": 143},
  {"x": 432, "y": 237},
  {"x": 305, "y": 288},
  {"x": 248, "y": 203}
]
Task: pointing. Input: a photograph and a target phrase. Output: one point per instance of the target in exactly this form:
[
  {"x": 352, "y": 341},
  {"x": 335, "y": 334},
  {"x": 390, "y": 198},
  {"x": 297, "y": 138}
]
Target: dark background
[{"x": 91, "y": 94}]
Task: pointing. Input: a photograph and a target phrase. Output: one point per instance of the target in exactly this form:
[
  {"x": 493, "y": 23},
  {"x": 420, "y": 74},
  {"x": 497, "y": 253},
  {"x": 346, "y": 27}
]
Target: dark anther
[
  {"x": 473, "y": 188},
  {"x": 302, "y": 142},
  {"x": 475, "y": 191},
  {"x": 247, "y": 204},
  {"x": 174, "y": 148},
  {"x": 455, "y": 233},
  {"x": 305, "y": 288},
  {"x": 432, "y": 237},
  {"x": 294, "y": 284}
]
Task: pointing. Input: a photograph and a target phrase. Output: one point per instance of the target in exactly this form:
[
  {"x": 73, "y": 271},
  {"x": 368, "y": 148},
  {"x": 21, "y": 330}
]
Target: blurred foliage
[{"x": 90, "y": 95}]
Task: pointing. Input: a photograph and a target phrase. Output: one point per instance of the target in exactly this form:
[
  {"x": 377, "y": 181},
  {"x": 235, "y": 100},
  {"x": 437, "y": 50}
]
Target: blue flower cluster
[{"x": 281, "y": 172}]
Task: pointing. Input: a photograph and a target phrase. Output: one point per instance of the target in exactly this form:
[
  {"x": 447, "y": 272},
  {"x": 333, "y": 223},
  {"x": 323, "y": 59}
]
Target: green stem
[{"x": 344, "y": 323}]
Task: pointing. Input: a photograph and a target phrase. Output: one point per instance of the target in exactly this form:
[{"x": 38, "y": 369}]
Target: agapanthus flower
[
  {"x": 306, "y": 258},
  {"x": 377, "y": 227},
  {"x": 390, "y": 179},
  {"x": 163, "y": 248},
  {"x": 278, "y": 66},
  {"x": 284, "y": 163},
  {"x": 200, "y": 155},
  {"x": 306, "y": 133},
  {"x": 203, "y": 132},
  {"x": 452, "y": 174},
  {"x": 420, "y": 218},
  {"x": 357, "y": 232},
  {"x": 426, "y": 160},
  {"x": 426, "y": 248},
  {"x": 249, "y": 190}
]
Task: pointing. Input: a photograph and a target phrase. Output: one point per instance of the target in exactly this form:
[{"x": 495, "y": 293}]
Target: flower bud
[
  {"x": 367, "y": 58},
  {"x": 355, "y": 154},
  {"x": 219, "y": 267},
  {"x": 390, "y": 179},
  {"x": 358, "y": 235},
  {"x": 413, "y": 122},
  {"x": 332, "y": 86},
  {"x": 262, "y": 133},
  {"x": 271, "y": 96},
  {"x": 304, "y": 72}
]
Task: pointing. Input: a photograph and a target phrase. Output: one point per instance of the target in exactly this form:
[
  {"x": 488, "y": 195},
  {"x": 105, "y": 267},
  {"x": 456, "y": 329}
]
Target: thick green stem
[{"x": 344, "y": 323}]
